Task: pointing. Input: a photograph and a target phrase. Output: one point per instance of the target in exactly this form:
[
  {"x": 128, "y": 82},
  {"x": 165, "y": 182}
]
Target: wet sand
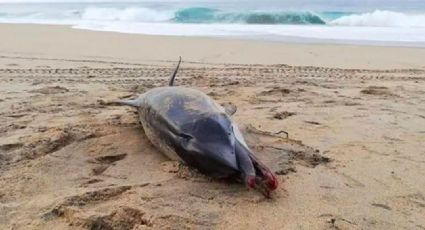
[{"x": 354, "y": 158}]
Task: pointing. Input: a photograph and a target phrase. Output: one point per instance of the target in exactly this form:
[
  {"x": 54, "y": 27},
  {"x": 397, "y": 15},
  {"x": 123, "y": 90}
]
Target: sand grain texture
[{"x": 354, "y": 158}]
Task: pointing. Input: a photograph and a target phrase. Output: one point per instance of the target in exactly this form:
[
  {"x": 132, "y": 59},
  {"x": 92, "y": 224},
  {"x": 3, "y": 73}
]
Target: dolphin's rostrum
[{"x": 187, "y": 125}]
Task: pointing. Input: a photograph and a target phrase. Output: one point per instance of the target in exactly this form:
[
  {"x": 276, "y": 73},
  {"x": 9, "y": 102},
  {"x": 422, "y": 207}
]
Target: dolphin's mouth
[
  {"x": 265, "y": 179},
  {"x": 266, "y": 184}
]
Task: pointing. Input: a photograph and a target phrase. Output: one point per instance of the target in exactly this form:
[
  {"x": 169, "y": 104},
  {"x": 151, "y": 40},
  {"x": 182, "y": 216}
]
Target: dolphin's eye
[{"x": 230, "y": 130}]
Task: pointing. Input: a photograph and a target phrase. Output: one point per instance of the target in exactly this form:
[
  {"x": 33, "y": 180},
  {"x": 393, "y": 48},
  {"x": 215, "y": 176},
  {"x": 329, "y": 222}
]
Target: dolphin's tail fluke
[{"x": 171, "y": 83}]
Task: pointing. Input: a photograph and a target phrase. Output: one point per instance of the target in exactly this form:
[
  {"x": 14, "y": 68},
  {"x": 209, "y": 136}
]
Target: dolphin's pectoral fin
[
  {"x": 229, "y": 108},
  {"x": 133, "y": 103}
]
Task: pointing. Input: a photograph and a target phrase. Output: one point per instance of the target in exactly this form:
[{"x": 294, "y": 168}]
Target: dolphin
[{"x": 188, "y": 126}]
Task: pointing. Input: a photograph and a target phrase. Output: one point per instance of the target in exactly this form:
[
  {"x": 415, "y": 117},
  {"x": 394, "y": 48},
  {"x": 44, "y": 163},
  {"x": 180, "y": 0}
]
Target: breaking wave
[
  {"x": 210, "y": 15},
  {"x": 201, "y": 15},
  {"x": 206, "y": 15}
]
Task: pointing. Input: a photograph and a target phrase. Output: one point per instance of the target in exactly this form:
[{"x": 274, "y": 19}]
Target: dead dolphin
[{"x": 187, "y": 125}]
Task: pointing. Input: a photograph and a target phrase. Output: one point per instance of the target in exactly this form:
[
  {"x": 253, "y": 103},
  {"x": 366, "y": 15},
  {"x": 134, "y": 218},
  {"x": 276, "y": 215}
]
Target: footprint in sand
[
  {"x": 377, "y": 91},
  {"x": 51, "y": 90},
  {"x": 105, "y": 162}
]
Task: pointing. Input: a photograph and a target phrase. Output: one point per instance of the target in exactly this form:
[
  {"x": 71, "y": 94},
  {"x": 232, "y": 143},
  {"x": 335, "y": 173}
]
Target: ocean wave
[
  {"x": 204, "y": 15},
  {"x": 199, "y": 15},
  {"x": 381, "y": 18},
  {"x": 211, "y": 15}
]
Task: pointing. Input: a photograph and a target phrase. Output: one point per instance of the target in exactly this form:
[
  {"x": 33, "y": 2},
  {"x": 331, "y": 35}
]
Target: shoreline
[
  {"x": 273, "y": 39},
  {"x": 52, "y": 41}
]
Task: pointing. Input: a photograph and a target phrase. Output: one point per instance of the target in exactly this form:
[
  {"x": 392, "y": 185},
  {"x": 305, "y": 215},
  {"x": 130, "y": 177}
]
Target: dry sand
[{"x": 355, "y": 115}]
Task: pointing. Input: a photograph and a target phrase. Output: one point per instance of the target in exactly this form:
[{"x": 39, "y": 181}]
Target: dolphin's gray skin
[{"x": 188, "y": 126}]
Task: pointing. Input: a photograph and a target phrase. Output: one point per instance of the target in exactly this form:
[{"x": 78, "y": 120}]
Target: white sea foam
[
  {"x": 382, "y": 18},
  {"x": 347, "y": 33},
  {"x": 127, "y": 14}
]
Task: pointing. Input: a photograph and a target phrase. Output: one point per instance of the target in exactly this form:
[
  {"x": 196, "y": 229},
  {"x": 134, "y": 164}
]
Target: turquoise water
[{"x": 212, "y": 15}]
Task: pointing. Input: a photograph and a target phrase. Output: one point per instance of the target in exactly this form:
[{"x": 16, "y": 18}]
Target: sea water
[{"x": 353, "y": 21}]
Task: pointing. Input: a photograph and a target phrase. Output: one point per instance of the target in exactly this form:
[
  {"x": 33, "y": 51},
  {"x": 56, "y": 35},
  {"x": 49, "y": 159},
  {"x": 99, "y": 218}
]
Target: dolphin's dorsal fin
[{"x": 171, "y": 83}]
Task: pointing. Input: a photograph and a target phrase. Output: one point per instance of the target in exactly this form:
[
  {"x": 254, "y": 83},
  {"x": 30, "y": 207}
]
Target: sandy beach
[{"x": 355, "y": 115}]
